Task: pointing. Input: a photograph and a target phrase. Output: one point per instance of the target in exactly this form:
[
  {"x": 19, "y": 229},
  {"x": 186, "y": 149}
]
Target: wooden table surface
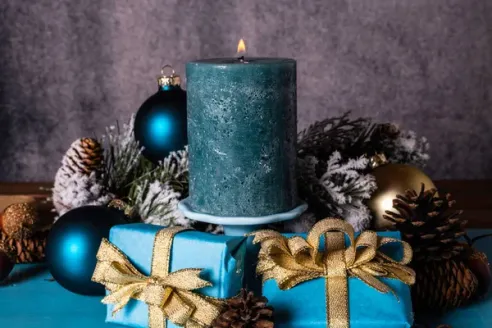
[{"x": 474, "y": 197}]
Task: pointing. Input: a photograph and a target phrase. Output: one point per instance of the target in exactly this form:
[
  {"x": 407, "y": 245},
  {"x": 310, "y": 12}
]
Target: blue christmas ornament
[
  {"x": 72, "y": 246},
  {"x": 160, "y": 123}
]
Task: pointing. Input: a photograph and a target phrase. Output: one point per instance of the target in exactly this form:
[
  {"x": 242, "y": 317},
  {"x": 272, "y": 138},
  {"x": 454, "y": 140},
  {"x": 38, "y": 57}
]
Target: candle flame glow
[{"x": 241, "y": 47}]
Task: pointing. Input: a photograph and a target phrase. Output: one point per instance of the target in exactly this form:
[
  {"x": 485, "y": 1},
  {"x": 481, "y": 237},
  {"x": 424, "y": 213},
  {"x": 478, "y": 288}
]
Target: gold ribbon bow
[
  {"x": 168, "y": 295},
  {"x": 291, "y": 261}
]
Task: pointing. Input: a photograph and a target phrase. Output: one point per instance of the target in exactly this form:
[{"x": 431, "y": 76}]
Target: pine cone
[
  {"x": 78, "y": 181},
  {"x": 245, "y": 311},
  {"x": 443, "y": 285},
  {"x": 450, "y": 273},
  {"x": 27, "y": 250},
  {"x": 427, "y": 222},
  {"x": 85, "y": 155}
]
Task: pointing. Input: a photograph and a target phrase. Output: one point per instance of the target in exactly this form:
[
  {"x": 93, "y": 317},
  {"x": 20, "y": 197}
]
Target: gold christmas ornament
[
  {"x": 20, "y": 220},
  {"x": 392, "y": 180},
  {"x": 7, "y": 200}
]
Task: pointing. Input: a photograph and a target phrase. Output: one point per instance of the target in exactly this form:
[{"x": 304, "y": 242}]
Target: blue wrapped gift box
[
  {"x": 221, "y": 257},
  {"x": 305, "y": 304}
]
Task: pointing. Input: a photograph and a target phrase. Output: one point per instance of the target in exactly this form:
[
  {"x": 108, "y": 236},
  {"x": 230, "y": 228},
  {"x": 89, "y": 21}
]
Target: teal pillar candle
[{"x": 242, "y": 132}]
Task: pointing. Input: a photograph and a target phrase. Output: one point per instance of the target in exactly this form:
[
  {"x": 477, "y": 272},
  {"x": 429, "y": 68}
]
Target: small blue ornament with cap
[{"x": 160, "y": 123}]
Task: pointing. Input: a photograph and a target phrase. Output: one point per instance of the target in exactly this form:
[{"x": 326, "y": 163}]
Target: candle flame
[{"x": 241, "y": 47}]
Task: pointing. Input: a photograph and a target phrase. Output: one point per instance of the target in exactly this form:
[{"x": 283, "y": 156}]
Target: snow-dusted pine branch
[
  {"x": 408, "y": 148},
  {"x": 174, "y": 168},
  {"x": 156, "y": 203},
  {"x": 337, "y": 188},
  {"x": 362, "y": 137},
  {"x": 324, "y": 137},
  {"x": 123, "y": 156}
]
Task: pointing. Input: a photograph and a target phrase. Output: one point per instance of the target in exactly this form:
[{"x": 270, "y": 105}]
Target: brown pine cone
[
  {"x": 450, "y": 273},
  {"x": 26, "y": 250},
  {"x": 429, "y": 224},
  {"x": 443, "y": 285},
  {"x": 245, "y": 311},
  {"x": 85, "y": 155}
]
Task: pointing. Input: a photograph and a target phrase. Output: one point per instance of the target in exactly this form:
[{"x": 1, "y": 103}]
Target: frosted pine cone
[
  {"x": 79, "y": 180},
  {"x": 85, "y": 155}
]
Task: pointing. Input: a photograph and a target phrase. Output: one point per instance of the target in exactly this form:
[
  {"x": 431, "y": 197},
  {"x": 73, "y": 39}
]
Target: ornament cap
[
  {"x": 165, "y": 79},
  {"x": 378, "y": 160}
]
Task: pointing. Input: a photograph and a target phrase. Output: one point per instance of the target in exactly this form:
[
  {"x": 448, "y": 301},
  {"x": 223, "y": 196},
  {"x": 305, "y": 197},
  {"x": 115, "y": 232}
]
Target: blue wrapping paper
[
  {"x": 305, "y": 304},
  {"x": 221, "y": 257}
]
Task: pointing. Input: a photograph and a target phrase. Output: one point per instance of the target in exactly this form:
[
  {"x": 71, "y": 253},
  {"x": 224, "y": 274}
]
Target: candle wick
[{"x": 242, "y": 60}]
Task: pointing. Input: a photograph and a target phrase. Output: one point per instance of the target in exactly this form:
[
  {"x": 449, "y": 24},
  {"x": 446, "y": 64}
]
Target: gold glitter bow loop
[
  {"x": 168, "y": 295},
  {"x": 291, "y": 261}
]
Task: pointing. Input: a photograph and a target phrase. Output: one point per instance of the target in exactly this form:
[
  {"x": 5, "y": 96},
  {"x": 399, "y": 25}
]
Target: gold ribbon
[
  {"x": 291, "y": 261},
  {"x": 168, "y": 295}
]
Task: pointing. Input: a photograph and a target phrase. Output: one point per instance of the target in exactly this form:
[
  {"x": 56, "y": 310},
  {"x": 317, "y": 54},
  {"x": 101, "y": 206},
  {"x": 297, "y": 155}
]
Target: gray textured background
[{"x": 70, "y": 67}]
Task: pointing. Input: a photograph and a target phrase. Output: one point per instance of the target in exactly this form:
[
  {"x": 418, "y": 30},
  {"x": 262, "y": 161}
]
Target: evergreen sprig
[
  {"x": 358, "y": 137},
  {"x": 151, "y": 190}
]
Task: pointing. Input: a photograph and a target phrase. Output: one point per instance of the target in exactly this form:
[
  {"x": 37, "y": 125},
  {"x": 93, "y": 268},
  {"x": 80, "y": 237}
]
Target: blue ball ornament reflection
[
  {"x": 72, "y": 246},
  {"x": 160, "y": 123},
  {"x": 160, "y": 127}
]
